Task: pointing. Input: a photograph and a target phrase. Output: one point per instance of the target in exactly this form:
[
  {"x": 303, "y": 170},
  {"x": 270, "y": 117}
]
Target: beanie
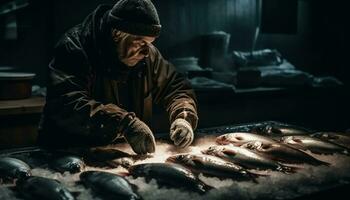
[{"x": 137, "y": 17}]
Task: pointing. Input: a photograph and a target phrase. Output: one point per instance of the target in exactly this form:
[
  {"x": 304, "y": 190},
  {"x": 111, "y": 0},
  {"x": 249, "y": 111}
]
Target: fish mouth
[
  {"x": 171, "y": 159},
  {"x": 22, "y": 174},
  {"x": 209, "y": 151},
  {"x": 206, "y": 151}
]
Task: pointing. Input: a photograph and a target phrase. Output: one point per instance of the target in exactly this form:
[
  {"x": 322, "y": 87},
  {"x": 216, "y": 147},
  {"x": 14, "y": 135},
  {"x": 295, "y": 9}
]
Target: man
[{"x": 104, "y": 76}]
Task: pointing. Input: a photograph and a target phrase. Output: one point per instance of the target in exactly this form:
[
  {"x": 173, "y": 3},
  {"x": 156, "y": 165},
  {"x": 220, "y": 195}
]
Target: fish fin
[
  {"x": 123, "y": 174},
  {"x": 297, "y": 140},
  {"x": 204, "y": 188},
  {"x": 254, "y": 175},
  {"x": 287, "y": 169}
]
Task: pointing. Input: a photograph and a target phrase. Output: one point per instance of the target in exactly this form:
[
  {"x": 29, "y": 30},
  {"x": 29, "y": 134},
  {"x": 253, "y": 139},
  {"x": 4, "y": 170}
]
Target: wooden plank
[{"x": 22, "y": 106}]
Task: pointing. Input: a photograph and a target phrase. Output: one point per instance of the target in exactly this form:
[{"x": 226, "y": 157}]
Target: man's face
[{"x": 131, "y": 48}]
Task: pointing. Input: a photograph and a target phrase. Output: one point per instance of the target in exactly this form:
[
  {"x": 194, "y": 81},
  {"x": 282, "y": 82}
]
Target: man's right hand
[{"x": 139, "y": 136}]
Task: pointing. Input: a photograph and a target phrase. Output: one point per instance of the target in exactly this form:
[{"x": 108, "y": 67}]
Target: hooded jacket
[{"x": 84, "y": 103}]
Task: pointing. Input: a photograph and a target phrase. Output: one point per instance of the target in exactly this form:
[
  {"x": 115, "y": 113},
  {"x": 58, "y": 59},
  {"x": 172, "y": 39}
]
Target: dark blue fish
[
  {"x": 279, "y": 129},
  {"x": 35, "y": 187},
  {"x": 13, "y": 168},
  {"x": 108, "y": 185},
  {"x": 71, "y": 164}
]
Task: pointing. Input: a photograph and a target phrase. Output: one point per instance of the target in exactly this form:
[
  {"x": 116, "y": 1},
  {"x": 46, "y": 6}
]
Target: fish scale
[
  {"x": 246, "y": 158},
  {"x": 13, "y": 168},
  {"x": 283, "y": 153},
  {"x": 212, "y": 166}
]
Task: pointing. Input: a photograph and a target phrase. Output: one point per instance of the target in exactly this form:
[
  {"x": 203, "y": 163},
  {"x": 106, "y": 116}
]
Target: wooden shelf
[{"x": 23, "y": 106}]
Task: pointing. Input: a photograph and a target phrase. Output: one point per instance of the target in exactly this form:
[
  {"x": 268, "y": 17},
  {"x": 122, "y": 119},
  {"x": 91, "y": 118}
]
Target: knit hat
[{"x": 137, "y": 17}]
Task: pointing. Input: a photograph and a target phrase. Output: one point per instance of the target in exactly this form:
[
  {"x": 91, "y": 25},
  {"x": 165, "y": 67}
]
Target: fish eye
[{"x": 239, "y": 138}]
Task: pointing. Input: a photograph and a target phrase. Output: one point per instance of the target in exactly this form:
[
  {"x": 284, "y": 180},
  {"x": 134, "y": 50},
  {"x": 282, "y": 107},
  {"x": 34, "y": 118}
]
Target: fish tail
[{"x": 203, "y": 188}]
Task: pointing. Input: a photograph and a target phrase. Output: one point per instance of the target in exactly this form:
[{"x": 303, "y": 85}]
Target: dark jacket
[{"x": 84, "y": 103}]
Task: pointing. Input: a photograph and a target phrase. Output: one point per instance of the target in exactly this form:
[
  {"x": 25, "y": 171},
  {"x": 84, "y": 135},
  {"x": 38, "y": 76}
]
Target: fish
[
  {"x": 279, "y": 129},
  {"x": 109, "y": 186},
  {"x": 71, "y": 164},
  {"x": 314, "y": 145},
  {"x": 170, "y": 175},
  {"x": 107, "y": 157},
  {"x": 124, "y": 162},
  {"x": 35, "y": 187},
  {"x": 283, "y": 153},
  {"x": 212, "y": 166},
  {"x": 341, "y": 139},
  {"x": 12, "y": 169},
  {"x": 240, "y": 138},
  {"x": 246, "y": 158}
]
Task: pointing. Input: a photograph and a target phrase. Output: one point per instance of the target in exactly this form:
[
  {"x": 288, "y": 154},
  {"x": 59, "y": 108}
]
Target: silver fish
[
  {"x": 313, "y": 144},
  {"x": 169, "y": 174},
  {"x": 240, "y": 138},
  {"x": 71, "y": 164},
  {"x": 13, "y": 168},
  {"x": 212, "y": 166},
  {"x": 282, "y": 153},
  {"x": 342, "y": 139},
  {"x": 35, "y": 187},
  {"x": 108, "y": 185},
  {"x": 246, "y": 158}
]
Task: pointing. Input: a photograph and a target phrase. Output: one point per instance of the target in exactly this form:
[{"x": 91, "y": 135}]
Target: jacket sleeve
[
  {"x": 173, "y": 90},
  {"x": 69, "y": 105}
]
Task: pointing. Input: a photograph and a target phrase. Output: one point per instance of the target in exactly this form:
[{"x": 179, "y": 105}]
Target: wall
[
  {"x": 32, "y": 50},
  {"x": 317, "y": 47}
]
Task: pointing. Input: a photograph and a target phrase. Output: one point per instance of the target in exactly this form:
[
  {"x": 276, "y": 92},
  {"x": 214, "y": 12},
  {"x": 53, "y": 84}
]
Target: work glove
[
  {"x": 181, "y": 133},
  {"x": 139, "y": 136}
]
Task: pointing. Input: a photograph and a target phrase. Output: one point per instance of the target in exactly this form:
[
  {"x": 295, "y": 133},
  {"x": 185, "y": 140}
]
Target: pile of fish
[{"x": 240, "y": 156}]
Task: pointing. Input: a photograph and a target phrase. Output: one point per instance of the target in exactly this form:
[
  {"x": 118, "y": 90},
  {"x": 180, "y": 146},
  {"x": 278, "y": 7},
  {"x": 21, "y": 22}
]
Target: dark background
[{"x": 317, "y": 43}]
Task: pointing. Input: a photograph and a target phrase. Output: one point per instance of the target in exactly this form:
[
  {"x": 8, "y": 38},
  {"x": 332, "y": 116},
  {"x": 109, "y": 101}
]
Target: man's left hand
[{"x": 181, "y": 133}]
